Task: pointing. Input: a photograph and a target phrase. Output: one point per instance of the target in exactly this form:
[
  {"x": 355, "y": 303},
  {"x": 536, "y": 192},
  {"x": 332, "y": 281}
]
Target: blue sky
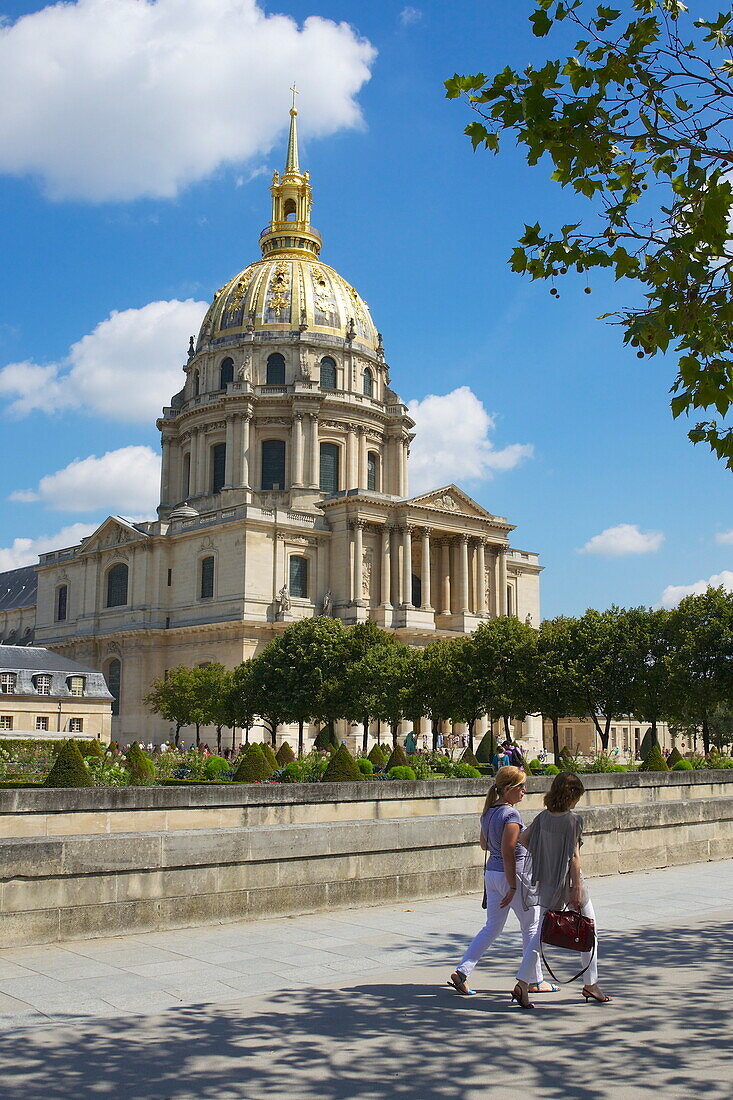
[{"x": 135, "y": 180}]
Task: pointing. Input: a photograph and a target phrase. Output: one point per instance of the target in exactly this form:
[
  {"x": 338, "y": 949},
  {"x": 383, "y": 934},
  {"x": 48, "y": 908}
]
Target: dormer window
[
  {"x": 42, "y": 684},
  {"x": 76, "y": 685},
  {"x": 7, "y": 683}
]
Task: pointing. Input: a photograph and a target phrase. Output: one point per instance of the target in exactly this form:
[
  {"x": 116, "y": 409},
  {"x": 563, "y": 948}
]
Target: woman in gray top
[{"x": 553, "y": 842}]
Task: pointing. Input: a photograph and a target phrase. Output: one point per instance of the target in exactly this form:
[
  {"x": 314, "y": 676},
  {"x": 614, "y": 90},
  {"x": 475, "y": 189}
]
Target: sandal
[
  {"x": 535, "y": 988},
  {"x": 519, "y": 995},
  {"x": 459, "y": 983},
  {"x": 591, "y": 996}
]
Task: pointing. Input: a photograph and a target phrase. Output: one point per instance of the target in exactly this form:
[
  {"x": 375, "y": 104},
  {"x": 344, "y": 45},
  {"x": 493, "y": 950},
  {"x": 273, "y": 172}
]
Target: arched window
[
  {"x": 298, "y": 586},
  {"x": 368, "y": 383},
  {"x": 207, "y": 578},
  {"x": 226, "y": 373},
  {"x": 117, "y": 586},
  {"x": 186, "y": 477},
  {"x": 273, "y": 464},
  {"x": 196, "y": 383},
  {"x": 114, "y": 679},
  {"x": 62, "y": 597},
  {"x": 218, "y": 467},
  {"x": 275, "y": 370},
  {"x": 372, "y": 470},
  {"x": 328, "y": 373},
  {"x": 290, "y": 210},
  {"x": 329, "y": 480}
]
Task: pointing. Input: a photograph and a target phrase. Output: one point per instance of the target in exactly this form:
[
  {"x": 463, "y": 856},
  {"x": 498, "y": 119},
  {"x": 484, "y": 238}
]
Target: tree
[
  {"x": 266, "y": 685},
  {"x": 355, "y": 694},
  {"x": 172, "y": 697},
  {"x": 647, "y": 633},
  {"x": 504, "y": 658},
  {"x": 211, "y": 685},
  {"x": 437, "y": 684},
  {"x": 468, "y": 695},
  {"x": 556, "y": 681},
  {"x": 242, "y": 699},
  {"x": 605, "y": 659},
  {"x": 637, "y": 120},
  {"x": 701, "y": 634},
  {"x": 391, "y": 671}
]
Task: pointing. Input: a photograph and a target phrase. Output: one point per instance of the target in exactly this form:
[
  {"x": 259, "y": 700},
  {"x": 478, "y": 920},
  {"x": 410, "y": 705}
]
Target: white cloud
[
  {"x": 410, "y": 15},
  {"x": 117, "y": 99},
  {"x": 673, "y": 593},
  {"x": 452, "y": 441},
  {"x": 26, "y": 551},
  {"x": 725, "y": 537},
  {"x": 126, "y": 480},
  {"x": 625, "y": 538},
  {"x": 126, "y": 369}
]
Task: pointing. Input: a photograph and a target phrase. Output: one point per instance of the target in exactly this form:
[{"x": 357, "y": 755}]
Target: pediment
[
  {"x": 113, "y": 532},
  {"x": 451, "y": 499}
]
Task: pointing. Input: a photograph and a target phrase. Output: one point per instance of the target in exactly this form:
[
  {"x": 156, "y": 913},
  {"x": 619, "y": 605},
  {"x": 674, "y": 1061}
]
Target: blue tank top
[{"x": 493, "y": 823}]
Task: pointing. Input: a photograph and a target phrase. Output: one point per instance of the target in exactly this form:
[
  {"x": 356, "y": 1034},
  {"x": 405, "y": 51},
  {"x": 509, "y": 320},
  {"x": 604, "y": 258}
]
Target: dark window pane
[
  {"x": 372, "y": 471},
  {"x": 276, "y": 370},
  {"x": 218, "y": 467},
  {"x": 329, "y": 468},
  {"x": 328, "y": 373},
  {"x": 207, "y": 578},
  {"x": 226, "y": 373},
  {"x": 61, "y": 601},
  {"x": 273, "y": 464},
  {"x": 196, "y": 383},
  {"x": 186, "y": 481},
  {"x": 416, "y": 591},
  {"x": 299, "y": 577},
  {"x": 117, "y": 586},
  {"x": 368, "y": 383},
  {"x": 114, "y": 675}
]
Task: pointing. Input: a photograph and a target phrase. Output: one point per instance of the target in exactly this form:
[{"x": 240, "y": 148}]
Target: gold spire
[
  {"x": 292, "y": 166},
  {"x": 290, "y": 227}
]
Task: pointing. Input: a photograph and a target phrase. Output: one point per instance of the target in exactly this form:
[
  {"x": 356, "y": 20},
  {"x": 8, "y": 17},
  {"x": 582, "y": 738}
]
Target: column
[
  {"x": 425, "y": 574},
  {"x": 244, "y": 450},
  {"x": 463, "y": 574},
  {"x": 201, "y": 456},
  {"x": 315, "y": 462},
  {"x": 407, "y": 566},
  {"x": 445, "y": 569},
  {"x": 502, "y": 580},
  {"x": 229, "y": 455},
  {"x": 496, "y": 581},
  {"x": 361, "y": 477},
  {"x": 297, "y": 450},
  {"x": 403, "y": 451},
  {"x": 357, "y": 529},
  {"x": 481, "y": 575},
  {"x": 165, "y": 470},
  {"x": 386, "y": 572},
  {"x": 351, "y": 478}
]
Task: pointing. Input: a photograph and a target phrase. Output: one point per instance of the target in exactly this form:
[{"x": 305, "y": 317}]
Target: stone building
[
  {"x": 284, "y": 494},
  {"x": 625, "y": 734},
  {"x": 47, "y": 696}
]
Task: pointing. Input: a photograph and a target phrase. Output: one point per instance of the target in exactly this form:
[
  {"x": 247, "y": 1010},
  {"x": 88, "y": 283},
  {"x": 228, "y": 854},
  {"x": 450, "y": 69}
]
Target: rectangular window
[
  {"x": 6, "y": 722},
  {"x": 298, "y": 586},
  {"x": 7, "y": 683},
  {"x": 207, "y": 578},
  {"x": 218, "y": 467},
  {"x": 43, "y": 685},
  {"x": 170, "y": 577},
  {"x": 62, "y": 594},
  {"x": 42, "y": 724},
  {"x": 76, "y": 685},
  {"x": 76, "y": 725}
]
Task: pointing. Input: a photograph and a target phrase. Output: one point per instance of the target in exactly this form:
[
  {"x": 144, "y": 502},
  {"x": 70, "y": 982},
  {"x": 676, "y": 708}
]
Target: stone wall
[{"x": 105, "y": 861}]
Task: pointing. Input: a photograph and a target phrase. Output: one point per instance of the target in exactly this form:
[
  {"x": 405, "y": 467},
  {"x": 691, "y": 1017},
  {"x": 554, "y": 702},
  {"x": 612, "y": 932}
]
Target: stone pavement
[{"x": 353, "y": 1003}]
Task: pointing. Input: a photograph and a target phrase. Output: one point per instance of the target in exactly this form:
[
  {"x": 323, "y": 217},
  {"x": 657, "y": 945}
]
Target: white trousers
[
  {"x": 532, "y": 962},
  {"x": 496, "y": 888}
]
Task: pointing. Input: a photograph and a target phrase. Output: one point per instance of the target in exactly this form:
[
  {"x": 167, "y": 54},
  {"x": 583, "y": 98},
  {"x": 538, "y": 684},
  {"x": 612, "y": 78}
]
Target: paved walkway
[{"x": 353, "y": 1004}]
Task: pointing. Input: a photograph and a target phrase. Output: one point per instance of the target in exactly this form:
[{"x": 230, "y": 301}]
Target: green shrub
[
  {"x": 682, "y": 765},
  {"x": 535, "y": 767},
  {"x": 215, "y": 766},
  {"x": 141, "y": 767},
  {"x": 646, "y": 744},
  {"x": 377, "y": 757},
  {"x": 398, "y": 758},
  {"x": 466, "y": 771},
  {"x": 16, "y": 745},
  {"x": 485, "y": 750},
  {"x": 674, "y": 757},
  {"x": 365, "y": 766},
  {"x": 469, "y": 758},
  {"x": 341, "y": 768},
  {"x": 552, "y": 769},
  {"x": 69, "y": 769},
  {"x": 619, "y": 768},
  {"x": 326, "y": 739},
  {"x": 284, "y": 755},
  {"x": 254, "y": 766},
  {"x": 93, "y": 748},
  {"x": 654, "y": 761},
  {"x": 269, "y": 755},
  {"x": 401, "y": 772}
]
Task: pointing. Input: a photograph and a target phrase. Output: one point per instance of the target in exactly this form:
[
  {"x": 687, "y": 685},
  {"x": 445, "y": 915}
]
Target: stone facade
[
  {"x": 284, "y": 494},
  {"x": 626, "y": 734},
  {"x": 45, "y": 696}
]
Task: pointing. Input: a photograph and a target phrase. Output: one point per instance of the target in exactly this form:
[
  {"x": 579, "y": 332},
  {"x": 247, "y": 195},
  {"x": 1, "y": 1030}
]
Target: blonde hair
[{"x": 505, "y": 778}]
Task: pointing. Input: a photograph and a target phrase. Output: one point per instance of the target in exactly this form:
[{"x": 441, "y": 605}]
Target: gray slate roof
[
  {"x": 38, "y": 659},
  {"x": 18, "y": 588}
]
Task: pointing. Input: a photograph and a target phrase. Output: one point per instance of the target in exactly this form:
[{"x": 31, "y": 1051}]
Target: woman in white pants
[
  {"x": 553, "y": 841},
  {"x": 500, "y": 829}
]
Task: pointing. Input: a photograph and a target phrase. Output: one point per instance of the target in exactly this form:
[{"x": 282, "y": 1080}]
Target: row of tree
[{"x": 657, "y": 665}]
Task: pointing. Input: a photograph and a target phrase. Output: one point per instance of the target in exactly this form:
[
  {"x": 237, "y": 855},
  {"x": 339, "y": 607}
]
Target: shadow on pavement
[{"x": 667, "y": 1032}]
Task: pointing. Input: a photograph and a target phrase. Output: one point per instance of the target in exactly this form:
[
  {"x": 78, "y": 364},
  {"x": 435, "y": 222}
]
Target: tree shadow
[{"x": 667, "y": 1031}]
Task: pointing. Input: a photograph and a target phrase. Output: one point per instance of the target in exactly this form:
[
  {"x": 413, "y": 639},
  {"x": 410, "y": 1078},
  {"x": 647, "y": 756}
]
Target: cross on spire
[{"x": 295, "y": 92}]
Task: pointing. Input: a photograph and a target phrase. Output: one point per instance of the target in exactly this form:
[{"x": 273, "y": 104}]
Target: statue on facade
[
  {"x": 327, "y": 603},
  {"x": 528, "y": 620},
  {"x": 243, "y": 372},
  {"x": 305, "y": 370},
  {"x": 283, "y": 599},
  {"x": 250, "y": 326},
  {"x": 303, "y": 320}
]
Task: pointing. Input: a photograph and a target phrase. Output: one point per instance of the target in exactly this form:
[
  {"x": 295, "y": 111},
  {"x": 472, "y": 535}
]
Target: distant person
[
  {"x": 410, "y": 742},
  {"x": 439, "y": 742},
  {"x": 513, "y": 751},
  {"x": 500, "y": 759}
]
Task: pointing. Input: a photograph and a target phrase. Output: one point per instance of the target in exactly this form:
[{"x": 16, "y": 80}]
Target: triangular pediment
[
  {"x": 451, "y": 499},
  {"x": 114, "y": 531}
]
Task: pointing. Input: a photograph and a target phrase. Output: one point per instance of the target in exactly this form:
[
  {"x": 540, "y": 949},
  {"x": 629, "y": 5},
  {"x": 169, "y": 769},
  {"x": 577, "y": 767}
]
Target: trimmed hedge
[
  {"x": 681, "y": 765},
  {"x": 284, "y": 755},
  {"x": 270, "y": 755},
  {"x": 142, "y": 768},
  {"x": 377, "y": 757},
  {"x": 365, "y": 766},
  {"x": 341, "y": 768},
  {"x": 469, "y": 758},
  {"x": 254, "y": 766},
  {"x": 674, "y": 757},
  {"x": 654, "y": 761},
  {"x": 401, "y": 773},
  {"x": 485, "y": 750},
  {"x": 69, "y": 769},
  {"x": 86, "y": 748},
  {"x": 326, "y": 739},
  {"x": 398, "y": 758},
  {"x": 215, "y": 766}
]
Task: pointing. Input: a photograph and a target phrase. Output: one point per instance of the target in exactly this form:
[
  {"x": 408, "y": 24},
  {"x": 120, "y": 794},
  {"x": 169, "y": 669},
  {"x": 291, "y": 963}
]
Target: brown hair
[
  {"x": 565, "y": 791},
  {"x": 508, "y": 776}
]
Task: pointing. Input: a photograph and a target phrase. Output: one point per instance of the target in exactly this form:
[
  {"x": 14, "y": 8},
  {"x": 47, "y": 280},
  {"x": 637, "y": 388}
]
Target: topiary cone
[
  {"x": 469, "y": 758},
  {"x": 654, "y": 761},
  {"x": 323, "y": 739},
  {"x": 141, "y": 767},
  {"x": 342, "y": 768},
  {"x": 398, "y": 758},
  {"x": 69, "y": 770},
  {"x": 485, "y": 750},
  {"x": 674, "y": 757},
  {"x": 270, "y": 755},
  {"x": 284, "y": 755},
  {"x": 377, "y": 757},
  {"x": 253, "y": 766}
]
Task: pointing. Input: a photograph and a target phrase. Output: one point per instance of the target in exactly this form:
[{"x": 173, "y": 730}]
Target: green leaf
[{"x": 541, "y": 23}]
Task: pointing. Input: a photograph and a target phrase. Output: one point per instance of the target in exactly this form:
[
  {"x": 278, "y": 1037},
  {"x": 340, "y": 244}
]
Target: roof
[
  {"x": 18, "y": 588},
  {"x": 38, "y": 659}
]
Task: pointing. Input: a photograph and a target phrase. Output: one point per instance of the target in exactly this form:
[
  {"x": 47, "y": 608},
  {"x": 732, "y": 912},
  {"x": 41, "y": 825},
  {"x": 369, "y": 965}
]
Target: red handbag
[{"x": 569, "y": 929}]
